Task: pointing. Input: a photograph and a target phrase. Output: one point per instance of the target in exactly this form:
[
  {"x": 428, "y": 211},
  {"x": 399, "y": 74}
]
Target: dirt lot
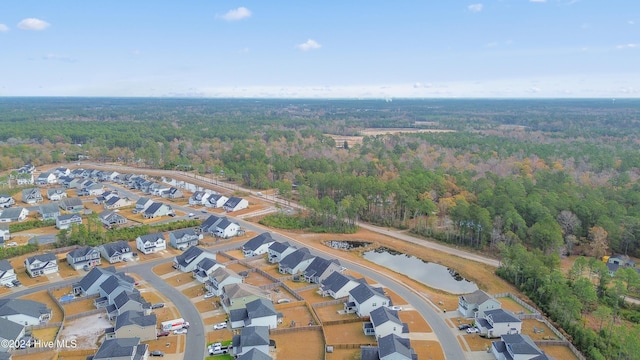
[
  {"x": 313, "y": 297},
  {"x": 169, "y": 344},
  {"x": 428, "y": 349},
  {"x": 78, "y": 307},
  {"x": 237, "y": 267},
  {"x": 87, "y": 331},
  {"x": 350, "y": 333},
  {"x": 344, "y": 354},
  {"x": 289, "y": 345},
  {"x": 256, "y": 279},
  {"x": 476, "y": 342},
  {"x": 330, "y": 313},
  {"x": 180, "y": 279},
  {"x": 559, "y": 352},
  {"x": 46, "y": 334},
  {"x": 415, "y": 321},
  {"x": 299, "y": 314},
  {"x": 163, "y": 269},
  {"x": 47, "y": 355}
]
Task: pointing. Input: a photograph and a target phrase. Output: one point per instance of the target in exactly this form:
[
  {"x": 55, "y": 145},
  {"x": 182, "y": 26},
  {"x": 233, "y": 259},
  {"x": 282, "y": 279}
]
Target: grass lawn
[
  {"x": 415, "y": 321},
  {"x": 329, "y": 313},
  {"x": 180, "y": 279},
  {"x": 528, "y": 326},
  {"x": 559, "y": 352},
  {"x": 350, "y": 333},
  {"x": 312, "y": 296},
  {"x": 46, "y": 334},
  {"x": 222, "y": 335},
  {"x": 289, "y": 345},
  {"x": 426, "y": 349},
  {"x": 511, "y": 305},
  {"x": 219, "y": 357},
  {"x": 79, "y": 307},
  {"x": 163, "y": 268},
  {"x": 476, "y": 342}
]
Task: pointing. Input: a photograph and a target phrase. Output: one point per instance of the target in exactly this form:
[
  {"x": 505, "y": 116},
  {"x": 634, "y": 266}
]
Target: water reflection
[{"x": 430, "y": 274}]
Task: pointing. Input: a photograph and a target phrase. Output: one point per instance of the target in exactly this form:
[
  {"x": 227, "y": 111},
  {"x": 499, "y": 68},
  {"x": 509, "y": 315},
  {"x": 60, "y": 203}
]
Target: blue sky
[{"x": 321, "y": 49}]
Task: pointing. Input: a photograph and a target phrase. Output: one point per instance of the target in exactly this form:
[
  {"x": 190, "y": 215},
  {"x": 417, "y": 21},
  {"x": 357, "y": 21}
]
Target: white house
[
  {"x": 49, "y": 211},
  {"x": 157, "y": 209},
  {"x": 337, "y": 285},
  {"x": 385, "y": 321},
  {"x": 46, "y": 178},
  {"x": 221, "y": 277},
  {"x": 151, "y": 243},
  {"x": 235, "y": 204},
  {"x": 65, "y": 221},
  {"x": 31, "y": 196},
  {"x": 259, "y": 312},
  {"x": 498, "y": 322},
  {"x": 188, "y": 260},
  {"x": 122, "y": 349},
  {"x": 6, "y": 201},
  {"x": 518, "y": 347},
  {"x": 25, "y": 312},
  {"x": 142, "y": 204},
  {"x": 116, "y": 251},
  {"x": 56, "y": 194},
  {"x": 279, "y": 250},
  {"x": 216, "y": 201},
  {"x": 42, "y": 264},
  {"x": 14, "y": 214},
  {"x": 5, "y": 234},
  {"x": 219, "y": 227},
  {"x": 7, "y": 273},
  {"x": 364, "y": 298},
  {"x": 115, "y": 202},
  {"x": 296, "y": 262},
  {"x": 109, "y": 218},
  {"x": 205, "y": 267},
  {"x": 198, "y": 198},
  {"x": 10, "y": 335},
  {"x": 258, "y": 245},
  {"x": 390, "y": 347},
  {"x": 476, "y": 302}
]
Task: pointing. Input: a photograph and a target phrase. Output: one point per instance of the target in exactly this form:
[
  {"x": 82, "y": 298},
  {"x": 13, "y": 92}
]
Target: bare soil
[
  {"x": 426, "y": 349},
  {"x": 415, "y": 321},
  {"x": 257, "y": 279},
  {"x": 298, "y": 314},
  {"x": 78, "y": 307},
  {"x": 292, "y": 345},
  {"x": 313, "y": 297},
  {"x": 180, "y": 279},
  {"x": 350, "y": 333},
  {"x": 163, "y": 269},
  {"x": 559, "y": 352},
  {"x": 87, "y": 331},
  {"x": 330, "y": 313}
]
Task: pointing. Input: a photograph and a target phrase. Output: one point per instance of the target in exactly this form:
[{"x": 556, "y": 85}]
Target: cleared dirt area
[
  {"x": 180, "y": 279},
  {"x": 426, "y": 349},
  {"x": 237, "y": 267},
  {"x": 559, "y": 352},
  {"x": 218, "y": 335},
  {"x": 350, "y": 333},
  {"x": 289, "y": 345},
  {"x": 272, "y": 270},
  {"x": 537, "y": 330},
  {"x": 330, "y": 313},
  {"x": 87, "y": 331},
  {"x": 78, "y": 307},
  {"x": 415, "y": 321},
  {"x": 476, "y": 342},
  {"x": 511, "y": 305},
  {"x": 256, "y": 279},
  {"x": 46, "y": 355},
  {"x": 313, "y": 297},
  {"x": 169, "y": 344},
  {"x": 344, "y": 354},
  {"x": 46, "y": 334},
  {"x": 299, "y": 315},
  {"x": 195, "y": 291},
  {"x": 163, "y": 268},
  {"x": 207, "y": 305},
  {"x": 43, "y": 297},
  {"x": 353, "y": 140}
]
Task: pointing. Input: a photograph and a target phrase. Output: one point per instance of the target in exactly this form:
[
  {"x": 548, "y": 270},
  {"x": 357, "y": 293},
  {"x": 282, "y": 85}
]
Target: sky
[{"x": 321, "y": 49}]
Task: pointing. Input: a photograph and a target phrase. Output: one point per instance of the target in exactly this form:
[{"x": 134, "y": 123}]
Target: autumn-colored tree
[{"x": 598, "y": 244}]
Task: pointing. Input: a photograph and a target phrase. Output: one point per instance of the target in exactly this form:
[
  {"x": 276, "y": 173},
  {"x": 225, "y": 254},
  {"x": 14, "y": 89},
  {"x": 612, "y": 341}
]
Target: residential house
[
  {"x": 25, "y": 179},
  {"x": 10, "y": 334},
  {"x": 116, "y": 202},
  {"x": 26, "y": 312},
  {"x": 279, "y": 250},
  {"x": 64, "y": 181},
  {"x": 390, "y": 347},
  {"x": 61, "y": 171},
  {"x": 258, "y": 245},
  {"x": 56, "y": 194},
  {"x": 616, "y": 262},
  {"x": 49, "y": 211},
  {"x": 476, "y": 302},
  {"x": 72, "y": 204},
  {"x": 109, "y": 176},
  {"x": 384, "y": 321},
  {"x": 498, "y": 322},
  {"x": 338, "y": 285},
  {"x": 254, "y": 354},
  {"x": 205, "y": 267},
  {"x": 90, "y": 284},
  {"x": 151, "y": 243},
  {"x": 296, "y": 262},
  {"x": 259, "y": 312},
  {"x": 27, "y": 169},
  {"x": 6, "y": 201},
  {"x": 219, "y": 278},
  {"x": 235, "y": 204},
  {"x": 116, "y": 251},
  {"x": 198, "y": 198},
  {"x": 209, "y": 224},
  {"x": 111, "y": 288},
  {"x": 255, "y": 337},
  {"x": 364, "y": 298},
  {"x": 226, "y": 229},
  {"x": 134, "y": 324},
  {"x": 216, "y": 201},
  {"x": 235, "y": 296},
  {"x": 110, "y": 218},
  {"x": 173, "y": 193},
  {"x": 142, "y": 204},
  {"x": 188, "y": 260},
  {"x": 94, "y": 189},
  {"x": 157, "y": 209},
  {"x": 5, "y": 233},
  {"x": 182, "y": 239},
  {"x": 13, "y": 215},
  {"x": 31, "y": 196},
  {"x": 128, "y": 301},
  {"x": 156, "y": 189},
  {"x": 65, "y": 221},
  {"x": 518, "y": 347},
  {"x": 46, "y": 178},
  {"x": 320, "y": 269},
  {"x": 83, "y": 256},
  {"x": 7, "y": 273},
  {"x": 41, "y": 264},
  {"x": 122, "y": 349}
]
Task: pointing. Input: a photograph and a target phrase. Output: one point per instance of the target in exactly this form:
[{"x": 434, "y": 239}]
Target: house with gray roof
[
  {"x": 296, "y": 262},
  {"x": 517, "y": 346},
  {"x": 6, "y": 201},
  {"x": 115, "y": 202},
  {"x": 157, "y": 209},
  {"x": 116, "y": 251},
  {"x": 476, "y": 302},
  {"x": 121, "y": 349},
  {"x": 41, "y": 264},
  {"x": 183, "y": 239},
  {"x": 65, "y": 221},
  {"x": 188, "y": 260},
  {"x": 235, "y": 204},
  {"x": 72, "y": 204},
  {"x": 172, "y": 193},
  {"x": 258, "y": 245},
  {"x": 90, "y": 283},
  {"x": 5, "y": 233},
  {"x": 320, "y": 268},
  {"x": 13, "y": 214},
  {"x": 84, "y": 255},
  {"x": 128, "y": 301},
  {"x": 151, "y": 243},
  {"x": 142, "y": 204},
  {"x": 10, "y": 333},
  {"x": 364, "y": 298},
  {"x": 279, "y": 250},
  {"x": 498, "y": 322},
  {"x": 27, "y": 312},
  {"x": 221, "y": 277},
  {"x": 31, "y": 196},
  {"x": 205, "y": 267},
  {"x": 221, "y": 227},
  {"x": 111, "y": 218},
  {"x": 56, "y": 194},
  {"x": 49, "y": 211},
  {"x": 7, "y": 272},
  {"x": 216, "y": 201},
  {"x": 46, "y": 178},
  {"x": 254, "y": 354},
  {"x": 337, "y": 285},
  {"x": 132, "y": 323},
  {"x": 254, "y": 337},
  {"x": 259, "y": 312},
  {"x": 384, "y": 321},
  {"x": 198, "y": 198},
  {"x": 390, "y": 347},
  {"x": 235, "y": 296}
]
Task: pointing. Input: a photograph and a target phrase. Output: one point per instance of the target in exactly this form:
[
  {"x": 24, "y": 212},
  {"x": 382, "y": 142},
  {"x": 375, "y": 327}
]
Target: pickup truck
[{"x": 217, "y": 349}]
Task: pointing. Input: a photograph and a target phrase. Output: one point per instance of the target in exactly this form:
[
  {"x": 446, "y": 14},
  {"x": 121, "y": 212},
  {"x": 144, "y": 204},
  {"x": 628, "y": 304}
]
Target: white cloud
[
  {"x": 475, "y": 7},
  {"x": 4, "y": 28},
  {"x": 33, "y": 24},
  {"x": 631, "y": 22},
  {"x": 538, "y": 1},
  {"x": 627, "y": 46},
  {"x": 309, "y": 45},
  {"x": 237, "y": 14}
]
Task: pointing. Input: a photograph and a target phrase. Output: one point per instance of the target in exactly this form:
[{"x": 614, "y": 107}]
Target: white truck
[{"x": 174, "y": 324}]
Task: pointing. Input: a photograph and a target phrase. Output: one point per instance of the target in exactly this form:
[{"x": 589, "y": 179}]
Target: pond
[
  {"x": 346, "y": 245},
  {"x": 431, "y": 274}
]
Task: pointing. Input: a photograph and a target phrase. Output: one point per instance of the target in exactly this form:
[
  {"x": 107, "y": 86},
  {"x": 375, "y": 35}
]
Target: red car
[{"x": 164, "y": 333}]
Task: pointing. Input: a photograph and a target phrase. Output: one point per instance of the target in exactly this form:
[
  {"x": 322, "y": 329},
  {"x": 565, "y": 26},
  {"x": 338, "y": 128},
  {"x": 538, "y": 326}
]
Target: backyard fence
[
  {"x": 330, "y": 302},
  {"x": 295, "y": 329},
  {"x": 345, "y": 321}
]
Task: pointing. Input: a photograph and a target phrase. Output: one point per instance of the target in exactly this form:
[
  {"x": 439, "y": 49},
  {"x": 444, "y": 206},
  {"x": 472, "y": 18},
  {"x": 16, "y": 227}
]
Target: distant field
[{"x": 353, "y": 140}]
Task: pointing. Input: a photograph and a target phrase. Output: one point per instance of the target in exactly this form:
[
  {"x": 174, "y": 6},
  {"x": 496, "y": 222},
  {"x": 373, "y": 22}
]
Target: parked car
[
  {"x": 395, "y": 307},
  {"x": 191, "y": 215},
  {"x": 9, "y": 285},
  {"x": 209, "y": 295},
  {"x": 16, "y": 282},
  {"x": 217, "y": 348},
  {"x": 157, "y": 353},
  {"x": 157, "y": 305},
  {"x": 464, "y": 326},
  {"x": 180, "y": 331},
  {"x": 220, "y": 326},
  {"x": 86, "y": 267},
  {"x": 13, "y": 243},
  {"x": 473, "y": 330},
  {"x": 164, "y": 333}
]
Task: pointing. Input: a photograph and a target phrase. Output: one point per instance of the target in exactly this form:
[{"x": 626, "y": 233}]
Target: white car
[
  {"x": 191, "y": 215},
  {"x": 209, "y": 295},
  {"x": 180, "y": 331},
  {"x": 13, "y": 243},
  {"x": 473, "y": 330},
  {"x": 396, "y": 308},
  {"x": 220, "y": 326}
]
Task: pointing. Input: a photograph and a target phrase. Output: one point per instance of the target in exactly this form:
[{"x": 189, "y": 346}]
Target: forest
[{"x": 550, "y": 177}]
